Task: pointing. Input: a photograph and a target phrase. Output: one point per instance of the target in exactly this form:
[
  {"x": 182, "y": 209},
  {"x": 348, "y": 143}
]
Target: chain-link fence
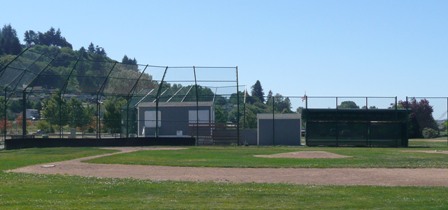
[
  {"x": 49, "y": 92},
  {"x": 352, "y": 127},
  {"x": 355, "y": 121}
]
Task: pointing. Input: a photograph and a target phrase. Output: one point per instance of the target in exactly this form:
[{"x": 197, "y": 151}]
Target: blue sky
[{"x": 324, "y": 47}]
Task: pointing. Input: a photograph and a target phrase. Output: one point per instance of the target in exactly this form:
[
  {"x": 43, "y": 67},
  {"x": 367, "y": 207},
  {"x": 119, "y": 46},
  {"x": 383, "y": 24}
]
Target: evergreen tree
[
  {"x": 91, "y": 48},
  {"x": 100, "y": 51},
  {"x": 257, "y": 91},
  {"x": 53, "y": 38},
  {"x": 128, "y": 61},
  {"x": 125, "y": 60},
  {"x": 82, "y": 52},
  {"x": 9, "y": 43},
  {"x": 270, "y": 98}
]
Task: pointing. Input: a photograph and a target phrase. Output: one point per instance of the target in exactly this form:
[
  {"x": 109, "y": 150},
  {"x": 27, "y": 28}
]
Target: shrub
[
  {"x": 44, "y": 126},
  {"x": 429, "y": 133}
]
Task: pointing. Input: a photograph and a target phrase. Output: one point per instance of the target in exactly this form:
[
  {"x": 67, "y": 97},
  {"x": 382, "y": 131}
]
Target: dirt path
[{"x": 330, "y": 176}]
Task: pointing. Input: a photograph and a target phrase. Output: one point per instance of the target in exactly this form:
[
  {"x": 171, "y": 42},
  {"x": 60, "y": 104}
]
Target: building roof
[
  {"x": 176, "y": 104},
  {"x": 279, "y": 116}
]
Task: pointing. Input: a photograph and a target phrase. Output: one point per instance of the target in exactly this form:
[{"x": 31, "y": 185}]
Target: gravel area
[{"x": 308, "y": 176}]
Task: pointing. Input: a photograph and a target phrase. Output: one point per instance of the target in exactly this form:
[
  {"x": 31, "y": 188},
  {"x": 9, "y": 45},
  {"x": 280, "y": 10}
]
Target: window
[
  {"x": 150, "y": 119},
  {"x": 204, "y": 116}
]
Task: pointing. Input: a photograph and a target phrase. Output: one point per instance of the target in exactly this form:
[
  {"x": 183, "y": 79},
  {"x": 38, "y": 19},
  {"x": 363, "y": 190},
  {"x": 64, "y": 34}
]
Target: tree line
[
  {"x": 253, "y": 103},
  {"x": 421, "y": 121},
  {"x": 11, "y": 45}
]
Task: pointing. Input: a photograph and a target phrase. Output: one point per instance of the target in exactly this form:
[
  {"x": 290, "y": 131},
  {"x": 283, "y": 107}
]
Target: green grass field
[
  {"x": 244, "y": 157},
  {"x": 27, "y": 191}
]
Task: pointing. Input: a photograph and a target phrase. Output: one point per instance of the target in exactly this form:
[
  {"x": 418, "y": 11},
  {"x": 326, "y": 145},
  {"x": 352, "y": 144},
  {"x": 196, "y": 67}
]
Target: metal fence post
[
  {"x": 337, "y": 107},
  {"x": 60, "y": 116},
  {"x": 5, "y": 117},
  {"x": 273, "y": 120},
  {"x": 237, "y": 107},
  {"x": 197, "y": 105},
  {"x": 129, "y": 99},
  {"x": 367, "y": 102},
  {"x": 24, "y": 115},
  {"x": 157, "y": 102}
]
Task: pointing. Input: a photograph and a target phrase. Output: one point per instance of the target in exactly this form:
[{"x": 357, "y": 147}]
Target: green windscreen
[{"x": 360, "y": 127}]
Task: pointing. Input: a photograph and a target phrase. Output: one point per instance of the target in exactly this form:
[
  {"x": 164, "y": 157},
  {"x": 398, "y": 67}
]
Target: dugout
[
  {"x": 175, "y": 119},
  {"x": 356, "y": 127}
]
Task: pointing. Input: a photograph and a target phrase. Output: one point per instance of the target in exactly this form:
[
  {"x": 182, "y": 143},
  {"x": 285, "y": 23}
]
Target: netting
[{"x": 54, "y": 92}]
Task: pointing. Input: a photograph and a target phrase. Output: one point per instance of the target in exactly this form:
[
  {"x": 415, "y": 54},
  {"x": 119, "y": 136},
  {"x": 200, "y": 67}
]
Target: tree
[
  {"x": 220, "y": 115},
  {"x": 3, "y": 126},
  {"x": 220, "y": 100},
  {"x": 31, "y": 38},
  {"x": 257, "y": 91},
  {"x": 9, "y": 43},
  {"x": 112, "y": 116},
  {"x": 82, "y": 52},
  {"x": 3, "y": 123},
  {"x": 78, "y": 115},
  {"x": 100, "y": 51},
  {"x": 16, "y": 106},
  {"x": 420, "y": 117},
  {"x": 5, "y": 59},
  {"x": 281, "y": 104},
  {"x": 370, "y": 107},
  {"x": 248, "y": 98},
  {"x": 270, "y": 99},
  {"x": 249, "y": 117},
  {"x": 348, "y": 105},
  {"x": 284, "y": 106},
  {"x": 53, "y": 38},
  {"x": 131, "y": 62},
  {"x": 125, "y": 60},
  {"x": 91, "y": 48},
  {"x": 233, "y": 99},
  {"x": 54, "y": 110},
  {"x": 444, "y": 126}
]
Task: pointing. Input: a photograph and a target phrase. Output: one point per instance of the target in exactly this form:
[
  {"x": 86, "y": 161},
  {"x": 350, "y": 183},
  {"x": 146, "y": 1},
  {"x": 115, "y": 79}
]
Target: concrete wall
[{"x": 118, "y": 142}]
